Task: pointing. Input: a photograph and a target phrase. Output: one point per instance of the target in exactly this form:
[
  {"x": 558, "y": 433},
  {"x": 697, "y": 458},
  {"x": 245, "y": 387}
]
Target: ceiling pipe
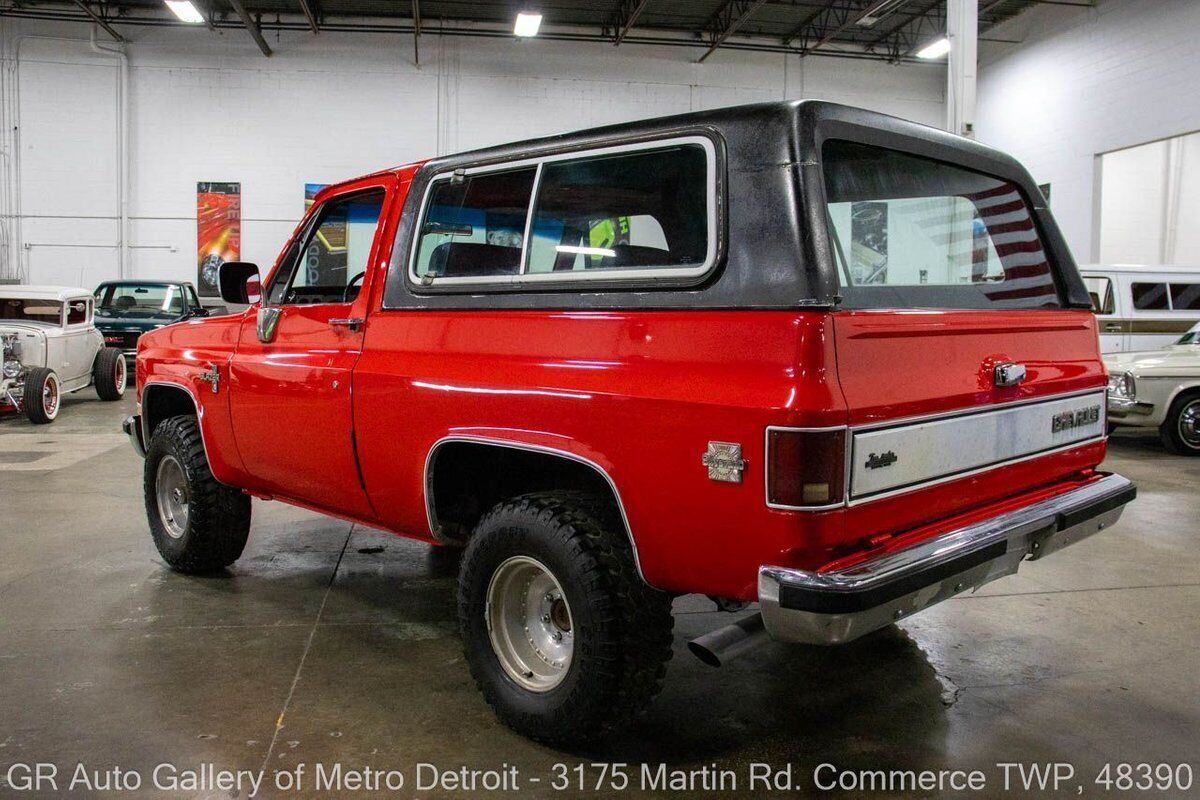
[
  {"x": 123, "y": 270},
  {"x": 96, "y": 18}
]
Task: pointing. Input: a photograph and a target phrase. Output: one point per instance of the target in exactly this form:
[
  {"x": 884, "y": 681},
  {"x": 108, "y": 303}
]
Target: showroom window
[
  {"x": 330, "y": 263},
  {"x": 628, "y": 212}
]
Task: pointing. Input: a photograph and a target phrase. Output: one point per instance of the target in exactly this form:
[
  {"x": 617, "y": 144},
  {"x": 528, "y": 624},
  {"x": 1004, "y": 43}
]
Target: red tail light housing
[{"x": 806, "y": 468}]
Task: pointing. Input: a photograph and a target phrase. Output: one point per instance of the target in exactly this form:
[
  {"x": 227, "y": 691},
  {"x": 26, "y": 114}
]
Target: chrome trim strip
[
  {"x": 471, "y": 439},
  {"x": 903, "y": 421},
  {"x": 1026, "y": 533},
  {"x": 939, "y": 449}
]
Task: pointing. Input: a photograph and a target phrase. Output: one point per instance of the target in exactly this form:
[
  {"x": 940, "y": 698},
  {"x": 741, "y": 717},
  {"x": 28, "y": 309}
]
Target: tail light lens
[{"x": 806, "y": 468}]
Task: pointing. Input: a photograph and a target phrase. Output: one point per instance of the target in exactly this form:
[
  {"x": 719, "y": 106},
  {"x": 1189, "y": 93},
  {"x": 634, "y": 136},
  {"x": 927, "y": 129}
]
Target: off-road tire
[
  {"x": 35, "y": 386},
  {"x": 622, "y": 626},
  {"x": 218, "y": 516},
  {"x": 109, "y": 385},
  {"x": 1169, "y": 431}
]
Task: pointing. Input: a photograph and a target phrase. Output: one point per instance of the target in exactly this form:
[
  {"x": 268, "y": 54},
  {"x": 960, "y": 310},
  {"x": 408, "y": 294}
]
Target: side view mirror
[
  {"x": 239, "y": 282},
  {"x": 200, "y": 312}
]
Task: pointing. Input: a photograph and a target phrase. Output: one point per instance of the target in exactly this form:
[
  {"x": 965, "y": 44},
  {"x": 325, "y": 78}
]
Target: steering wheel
[{"x": 346, "y": 292}]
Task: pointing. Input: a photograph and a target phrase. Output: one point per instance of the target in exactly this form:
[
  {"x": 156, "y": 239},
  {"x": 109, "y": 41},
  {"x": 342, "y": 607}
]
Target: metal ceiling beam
[
  {"x": 251, "y": 26},
  {"x": 309, "y": 15},
  {"x": 623, "y": 18},
  {"x": 726, "y": 21},
  {"x": 828, "y": 24},
  {"x": 905, "y": 38},
  {"x": 96, "y": 18}
]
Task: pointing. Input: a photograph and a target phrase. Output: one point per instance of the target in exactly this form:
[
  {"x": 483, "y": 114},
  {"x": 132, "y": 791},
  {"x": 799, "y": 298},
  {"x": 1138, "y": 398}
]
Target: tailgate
[{"x": 925, "y": 408}]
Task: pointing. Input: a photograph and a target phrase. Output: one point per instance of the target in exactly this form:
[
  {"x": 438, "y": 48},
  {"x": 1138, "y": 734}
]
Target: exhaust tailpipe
[{"x": 727, "y": 643}]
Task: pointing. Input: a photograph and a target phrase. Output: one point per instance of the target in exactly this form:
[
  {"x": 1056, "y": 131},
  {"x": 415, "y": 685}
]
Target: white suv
[{"x": 49, "y": 346}]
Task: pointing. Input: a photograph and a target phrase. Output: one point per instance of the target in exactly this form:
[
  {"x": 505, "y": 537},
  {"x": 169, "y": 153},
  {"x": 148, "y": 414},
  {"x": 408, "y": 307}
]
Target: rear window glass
[
  {"x": 1150, "y": 296},
  {"x": 914, "y": 232}
]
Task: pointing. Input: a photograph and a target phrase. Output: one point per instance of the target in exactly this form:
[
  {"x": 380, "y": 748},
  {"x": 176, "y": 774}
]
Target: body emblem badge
[
  {"x": 724, "y": 461},
  {"x": 877, "y": 461},
  {"x": 1069, "y": 420}
]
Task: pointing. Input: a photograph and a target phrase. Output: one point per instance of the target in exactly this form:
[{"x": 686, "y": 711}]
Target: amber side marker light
[{"x": 806, "y": 468}]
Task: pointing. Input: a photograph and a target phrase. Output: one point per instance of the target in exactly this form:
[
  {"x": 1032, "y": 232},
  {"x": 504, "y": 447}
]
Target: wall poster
[{"x": 218, "y": 231}]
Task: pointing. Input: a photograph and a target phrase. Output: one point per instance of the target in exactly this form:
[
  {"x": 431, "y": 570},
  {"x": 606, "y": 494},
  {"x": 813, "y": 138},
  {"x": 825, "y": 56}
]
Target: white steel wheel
[
  {"x": 529, "y": 624},
  {"x": 119, "y": 376},
  {"x": 172, "y": 494}
]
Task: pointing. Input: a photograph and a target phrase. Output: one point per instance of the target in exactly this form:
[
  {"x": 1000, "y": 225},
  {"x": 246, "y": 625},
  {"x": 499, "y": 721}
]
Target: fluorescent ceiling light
[
  {"x": 935, "y": 49},
  {"x": 585, "y": 251},
  {"x": 184, "y": 10},
  {"x": 527, "y": 24},
  {"x": 878, "y": 12}
]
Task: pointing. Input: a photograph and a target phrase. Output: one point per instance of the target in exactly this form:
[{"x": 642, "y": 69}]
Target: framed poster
[{"x": 218, "y": 231}]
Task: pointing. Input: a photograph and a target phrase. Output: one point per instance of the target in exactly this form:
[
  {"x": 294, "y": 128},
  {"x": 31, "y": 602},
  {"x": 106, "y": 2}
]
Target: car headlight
[{"x": 1122, "y": 384}]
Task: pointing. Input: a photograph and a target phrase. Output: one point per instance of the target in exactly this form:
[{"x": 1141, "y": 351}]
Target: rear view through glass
[{"x": 912, "y": 232}]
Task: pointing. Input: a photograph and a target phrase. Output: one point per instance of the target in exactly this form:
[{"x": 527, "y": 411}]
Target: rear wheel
[
  {"x": 1180, "y": 431},
  {"x": 198, "y": 524},
  {"x": 43, "y": 395},
  {"x": 562, "y": 636},
  {"x": 108, "y": 374}
]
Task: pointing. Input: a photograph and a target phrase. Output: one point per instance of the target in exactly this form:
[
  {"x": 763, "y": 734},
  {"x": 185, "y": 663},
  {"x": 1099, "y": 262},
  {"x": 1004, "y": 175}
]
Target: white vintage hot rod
[{"x": 49, "y": 346}]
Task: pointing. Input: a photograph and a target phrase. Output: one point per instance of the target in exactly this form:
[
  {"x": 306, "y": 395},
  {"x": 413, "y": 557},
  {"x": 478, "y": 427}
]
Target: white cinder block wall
[
  {"x": 209, "y": 107},
  {"x": 1085, "y": 82}
]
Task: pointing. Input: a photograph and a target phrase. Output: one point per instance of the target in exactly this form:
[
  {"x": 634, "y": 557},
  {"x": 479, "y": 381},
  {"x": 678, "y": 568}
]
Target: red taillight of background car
[{"x": 806, "y": 468}]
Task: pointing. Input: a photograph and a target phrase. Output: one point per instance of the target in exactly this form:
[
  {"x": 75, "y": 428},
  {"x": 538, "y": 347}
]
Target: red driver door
[{"x": 292, "y": 375}]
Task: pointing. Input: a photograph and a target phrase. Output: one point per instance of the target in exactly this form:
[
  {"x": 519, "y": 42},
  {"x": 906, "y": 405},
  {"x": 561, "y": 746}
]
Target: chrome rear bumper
[{"x": 836, "y": 607}]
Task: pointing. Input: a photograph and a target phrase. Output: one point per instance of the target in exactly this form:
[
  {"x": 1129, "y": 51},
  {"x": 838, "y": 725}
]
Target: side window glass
[
  {"x": 474, "y": 225},
  {"x": 642, "y": 210},
  {"x": 77, "y": 312},
  {"x": 1185, "y": 296},
  {"x": 1150, "y": 296},
  {"x": 329, "y": 264}
]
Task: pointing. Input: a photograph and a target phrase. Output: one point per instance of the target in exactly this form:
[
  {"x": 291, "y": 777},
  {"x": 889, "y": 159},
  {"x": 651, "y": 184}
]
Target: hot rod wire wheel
[
  {"x": 108, "y": 374},
  {"x": 529, "y": 623},
  {"x": 562, "y": 636},
  {"x": 198, "y": 524},
  {"x": 171, "y": 492},
  {"x": 43, "y": 395},
  {"x": 1180, "y": 430}
]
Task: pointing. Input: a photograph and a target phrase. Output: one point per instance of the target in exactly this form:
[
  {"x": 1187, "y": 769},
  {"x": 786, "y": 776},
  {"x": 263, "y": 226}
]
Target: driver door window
[{"x": 328, "y": 263}]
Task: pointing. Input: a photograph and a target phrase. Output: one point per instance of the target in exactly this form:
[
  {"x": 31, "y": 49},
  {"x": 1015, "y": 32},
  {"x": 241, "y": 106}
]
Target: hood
[
  {"x": 1171, "y": 358},
  {"x": 23, "y": 327}
]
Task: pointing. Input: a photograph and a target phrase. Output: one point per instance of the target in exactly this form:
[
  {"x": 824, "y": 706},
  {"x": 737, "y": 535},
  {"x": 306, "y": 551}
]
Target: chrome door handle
[
  {"x": 353, "y": 323},
  {"x": 1112, "y": 327}
]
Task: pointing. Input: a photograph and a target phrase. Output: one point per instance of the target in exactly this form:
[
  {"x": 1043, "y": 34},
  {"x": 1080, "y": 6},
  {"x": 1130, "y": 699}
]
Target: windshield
[
  {"x": 141, "y": 300},
  {"x": 31, "y": 310},
  {"x": 1191, "y": 337}
]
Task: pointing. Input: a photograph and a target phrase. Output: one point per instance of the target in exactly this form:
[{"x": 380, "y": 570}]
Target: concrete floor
[{"x": 331, "y": 643}]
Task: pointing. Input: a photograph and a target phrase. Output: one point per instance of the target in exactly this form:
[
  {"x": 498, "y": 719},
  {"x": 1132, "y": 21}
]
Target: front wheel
[
  {"x": 43, "y": 395},
  {"x": 108, "y": 373},
  {"x": 562, "y": 636},
  {"x": 198, "y": 524},
  {"x": 1180, "y": 431}
]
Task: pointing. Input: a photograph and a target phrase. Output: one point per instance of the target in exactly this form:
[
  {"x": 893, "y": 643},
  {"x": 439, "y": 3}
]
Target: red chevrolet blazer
[{"x": 794, "y": 354}]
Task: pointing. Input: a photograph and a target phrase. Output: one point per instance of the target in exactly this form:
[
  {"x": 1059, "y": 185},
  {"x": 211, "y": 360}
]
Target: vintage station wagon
[{"x": 794, "y": 354}]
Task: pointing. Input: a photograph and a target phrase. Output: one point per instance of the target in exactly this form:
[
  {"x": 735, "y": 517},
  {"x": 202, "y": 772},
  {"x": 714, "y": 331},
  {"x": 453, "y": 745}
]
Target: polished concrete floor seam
[{"x": 280, "y": 720}]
